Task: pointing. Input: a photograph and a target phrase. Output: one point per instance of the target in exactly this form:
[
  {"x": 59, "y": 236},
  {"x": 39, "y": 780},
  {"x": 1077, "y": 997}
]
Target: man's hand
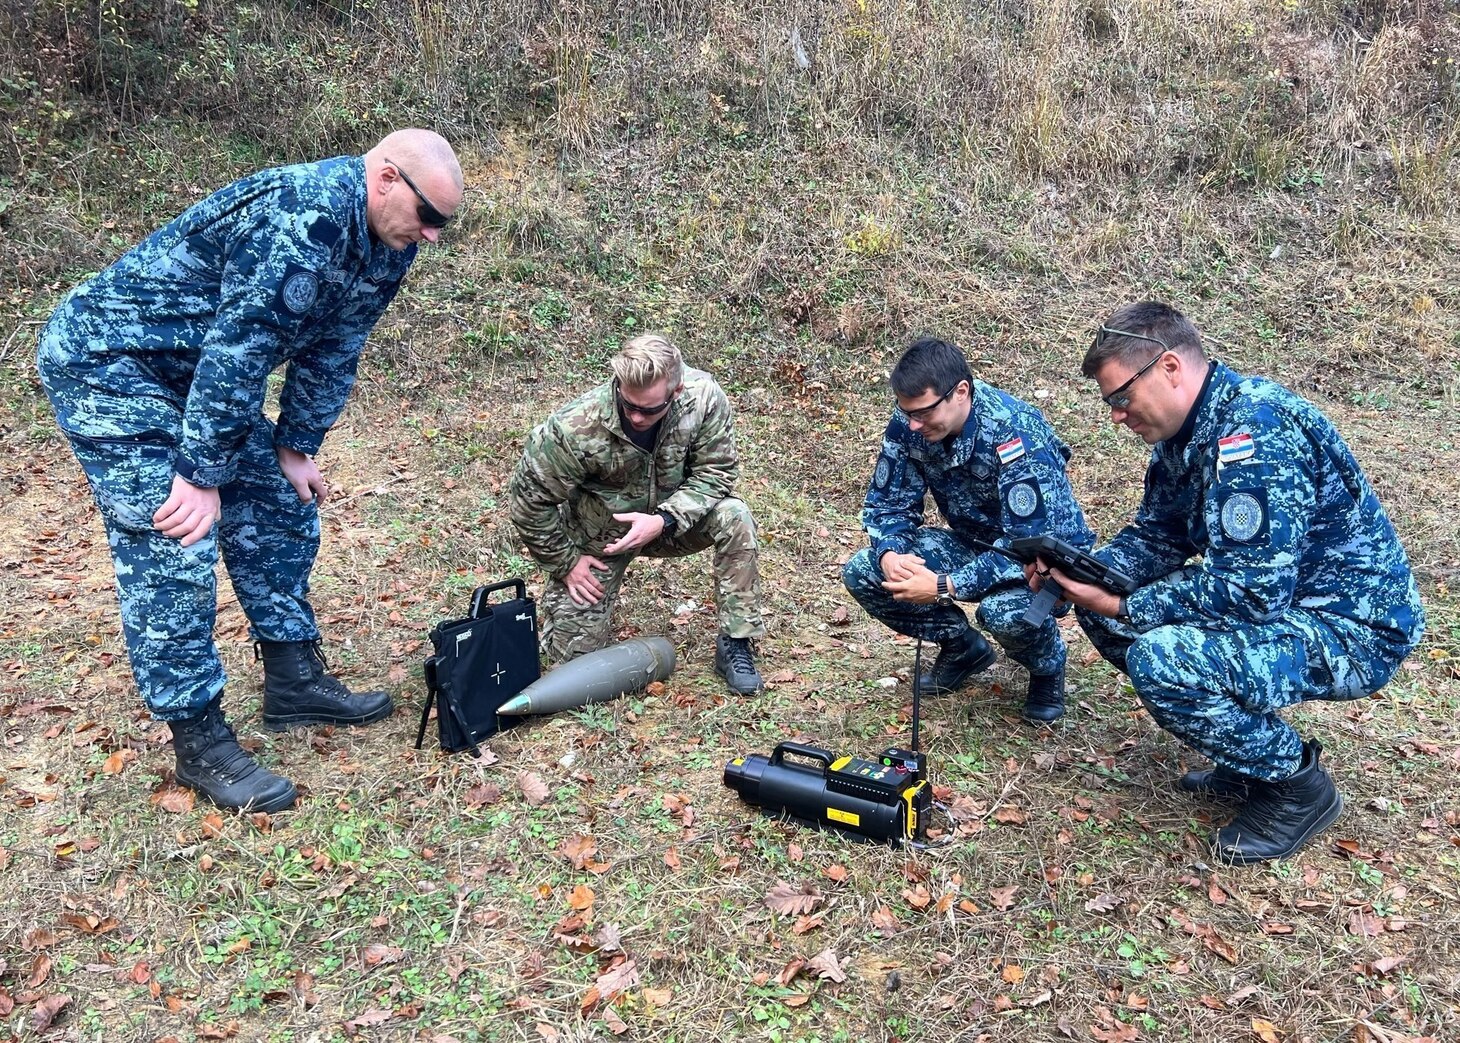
[
  {"x": 897, "y": 566},
  {"x": 1087, "y": 595},
  {"x": 643, "y": 528},
  {"x": 302, "y": 474},
  {"x": 188, "y": 513},
  {"x": 921, "y": 585},
  {"x": 583, "y": 586}
]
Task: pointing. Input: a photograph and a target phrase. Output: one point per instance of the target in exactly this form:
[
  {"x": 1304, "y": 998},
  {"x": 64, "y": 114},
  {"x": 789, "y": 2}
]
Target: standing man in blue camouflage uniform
[
  {"x": 157, "y": 370},
  {"x": 995, "y": 470},
  {"x": 643, "y": 464},
  {"x": 1302, "y": 591}
]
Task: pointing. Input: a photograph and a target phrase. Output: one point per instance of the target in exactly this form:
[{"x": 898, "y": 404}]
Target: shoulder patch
[
  {"x": 1023, "y": 500},
  {"x": 1244, "y": 515},
  {"x": 1011, "y": 451},
  {"x": 1234, "y": 448},
  {"x": 299, "y": 292}
]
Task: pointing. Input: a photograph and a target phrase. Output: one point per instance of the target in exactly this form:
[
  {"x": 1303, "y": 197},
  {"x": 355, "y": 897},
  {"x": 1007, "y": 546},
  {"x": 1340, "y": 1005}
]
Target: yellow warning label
[{"x": 851, "y": 818}]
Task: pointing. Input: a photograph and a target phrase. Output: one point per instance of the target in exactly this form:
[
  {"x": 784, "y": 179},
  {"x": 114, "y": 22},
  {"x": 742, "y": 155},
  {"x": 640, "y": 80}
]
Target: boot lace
[
  {"x": 737, "y": 654},
  {"x": 1264, "y": 812},
  {"x": 318, "y": 660},
  {"x": 224, "y": 756}
]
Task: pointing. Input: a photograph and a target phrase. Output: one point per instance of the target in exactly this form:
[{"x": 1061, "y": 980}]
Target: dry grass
[{"x": 1001, "y": 173}]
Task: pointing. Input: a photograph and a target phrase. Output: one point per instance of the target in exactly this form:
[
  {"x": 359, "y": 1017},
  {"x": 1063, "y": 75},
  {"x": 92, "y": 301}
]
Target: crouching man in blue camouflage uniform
[
  {"x": 644, "y": 464},
  {"x": 995, "y": 470},
  {"x": 1302, "y": 591},
  {"x": 157, "y": 370}
]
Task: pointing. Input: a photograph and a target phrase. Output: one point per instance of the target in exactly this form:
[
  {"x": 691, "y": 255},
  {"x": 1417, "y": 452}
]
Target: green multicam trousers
[{"x": 569, "y": 630}]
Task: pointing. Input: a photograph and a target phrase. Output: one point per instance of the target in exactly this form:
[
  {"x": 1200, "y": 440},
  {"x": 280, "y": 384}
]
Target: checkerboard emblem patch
[{"x": 1242, "y": 516}]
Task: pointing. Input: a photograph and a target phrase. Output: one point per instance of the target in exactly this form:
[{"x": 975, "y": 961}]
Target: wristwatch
[
  {"x": 1122, "y": 612},
  {"x": 670, "y": 523},
  {"x": 945, "y": 599}
]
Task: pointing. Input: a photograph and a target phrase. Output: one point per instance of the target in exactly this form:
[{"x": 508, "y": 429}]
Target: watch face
[{"x": 944, "y": 601}]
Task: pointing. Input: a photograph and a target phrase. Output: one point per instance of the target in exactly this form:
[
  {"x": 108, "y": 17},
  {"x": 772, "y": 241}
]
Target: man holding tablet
[{"x": 1301, "y": 591}]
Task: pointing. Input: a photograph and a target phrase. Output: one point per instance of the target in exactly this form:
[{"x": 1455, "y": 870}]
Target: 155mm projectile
[{"x": 595, "y": 677}]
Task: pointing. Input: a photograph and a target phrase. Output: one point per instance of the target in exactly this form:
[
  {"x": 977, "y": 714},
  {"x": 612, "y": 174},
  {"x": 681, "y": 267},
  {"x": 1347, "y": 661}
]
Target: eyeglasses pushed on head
[{"x": 1120, "y": 397}]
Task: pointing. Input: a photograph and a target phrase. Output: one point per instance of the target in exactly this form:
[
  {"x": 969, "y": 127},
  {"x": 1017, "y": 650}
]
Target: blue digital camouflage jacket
[
  {"x": 279, "y": 267},
  {"x": 1002, "y": 476},
  {"x": 1268, "y": 493}
]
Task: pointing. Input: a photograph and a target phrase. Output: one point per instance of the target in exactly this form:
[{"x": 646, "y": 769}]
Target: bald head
[
  {"x": 417, "y": 149},
  {"x": 410, "y": 176}
]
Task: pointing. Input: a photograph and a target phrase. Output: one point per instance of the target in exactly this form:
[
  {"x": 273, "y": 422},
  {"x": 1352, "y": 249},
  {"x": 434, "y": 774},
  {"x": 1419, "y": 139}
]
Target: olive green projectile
[{"x": 595, "y": 677}]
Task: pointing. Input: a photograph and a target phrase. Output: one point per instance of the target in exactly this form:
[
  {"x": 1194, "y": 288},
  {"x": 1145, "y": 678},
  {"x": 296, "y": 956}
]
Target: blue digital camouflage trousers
[
  {"x": 569, "y": 630},
  {"x": 1000, "y": 589},
  {"x": 1218, "y": 689},
  {"x": 268, "y": 539}
]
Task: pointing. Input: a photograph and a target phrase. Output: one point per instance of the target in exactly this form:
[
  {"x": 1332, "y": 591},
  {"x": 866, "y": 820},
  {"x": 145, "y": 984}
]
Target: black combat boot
[
  {"x": 1216, "y": 781},
  {"x": 1280, "y": 817},
  {"x": 735, "y": 662},
  {"x": 959, "y": 658},
  {"x": 299, "y": 689},
  {"x": 210, "y": 761},
  {"x": 1046, "y": 699}
]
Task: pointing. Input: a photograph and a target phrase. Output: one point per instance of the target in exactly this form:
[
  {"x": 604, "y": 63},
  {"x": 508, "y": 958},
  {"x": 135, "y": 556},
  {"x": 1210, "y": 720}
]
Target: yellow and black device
[{"x": 885, "y": 799}]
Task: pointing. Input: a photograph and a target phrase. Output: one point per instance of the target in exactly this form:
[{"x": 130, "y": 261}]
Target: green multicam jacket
[{"x": 579, "y": 469}]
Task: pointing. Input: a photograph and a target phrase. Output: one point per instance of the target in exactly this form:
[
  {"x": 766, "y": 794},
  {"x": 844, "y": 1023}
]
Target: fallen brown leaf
[
  {"x": 43, "y": 1014},
  {"x": 619, "y": 977},
  {"x": 534, "y": 790},
  {"x": 374, "y": 954},
  {"x": 885, "y": 923},
  {"x": 826, "y": 965},
  {"x": 1266, "y": 1031},
  {"x": 615, "y": 1024},
  {"x": 174, "y": 799},
  {"x": 790, "y": 900},
  {"x": 579, "y": 850},
  {"x": 917, "y": 897}
]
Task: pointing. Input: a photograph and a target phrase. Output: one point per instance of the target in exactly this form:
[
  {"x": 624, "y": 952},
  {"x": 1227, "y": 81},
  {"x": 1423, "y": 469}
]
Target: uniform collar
[{"x": 1201, "y": 423}]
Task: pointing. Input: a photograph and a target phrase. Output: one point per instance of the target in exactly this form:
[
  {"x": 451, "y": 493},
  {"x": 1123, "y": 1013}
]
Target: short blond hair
[{"x": 647, "y": 359}]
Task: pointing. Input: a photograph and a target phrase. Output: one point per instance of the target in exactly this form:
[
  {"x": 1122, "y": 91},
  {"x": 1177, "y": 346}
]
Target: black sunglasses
[
  {"x": 926, "y": 411},
  {"x": 1120, "y": 397},
  {"x": 425, "y": 209},
  {"x": 634, "y": 407}
]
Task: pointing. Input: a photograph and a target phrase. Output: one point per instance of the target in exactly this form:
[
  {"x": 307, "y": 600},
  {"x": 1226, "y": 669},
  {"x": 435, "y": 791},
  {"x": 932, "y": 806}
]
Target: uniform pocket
[{"x": 129, "y": 479}]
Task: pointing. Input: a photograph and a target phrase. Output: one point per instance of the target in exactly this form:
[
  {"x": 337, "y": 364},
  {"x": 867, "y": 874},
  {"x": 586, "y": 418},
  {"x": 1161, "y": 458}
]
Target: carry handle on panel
[
  {"x": 801, "y": 749},
  {"x": 479, "y": 605}
]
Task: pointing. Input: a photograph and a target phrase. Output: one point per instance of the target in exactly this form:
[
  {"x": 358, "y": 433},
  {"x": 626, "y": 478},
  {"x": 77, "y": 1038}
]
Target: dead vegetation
[{"x": 789, "y": 190}]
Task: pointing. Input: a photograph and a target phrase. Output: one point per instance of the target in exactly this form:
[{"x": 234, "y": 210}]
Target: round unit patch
[
  {"x": 883, "y": 473},
  {"x": 1242, "y": 516},
  {"x": 1023, "y": 500},
  {"x": 300, "y": 291}
]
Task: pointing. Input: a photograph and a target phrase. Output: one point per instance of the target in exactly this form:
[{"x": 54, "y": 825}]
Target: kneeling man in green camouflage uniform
[{"x": 643, "y": 464}]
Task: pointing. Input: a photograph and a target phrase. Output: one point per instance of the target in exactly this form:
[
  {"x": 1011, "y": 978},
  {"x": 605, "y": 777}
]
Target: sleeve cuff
[
  {"x": 204, "y": 476},
  {"x": 301, "y": 440},
  {"x": 896, "y": 544}
]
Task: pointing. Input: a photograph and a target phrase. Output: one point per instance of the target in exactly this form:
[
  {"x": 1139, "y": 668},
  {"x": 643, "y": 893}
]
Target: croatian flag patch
[
  {"x": 1234, "y": 448},
  {"x": 1011, "y": 451}
]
